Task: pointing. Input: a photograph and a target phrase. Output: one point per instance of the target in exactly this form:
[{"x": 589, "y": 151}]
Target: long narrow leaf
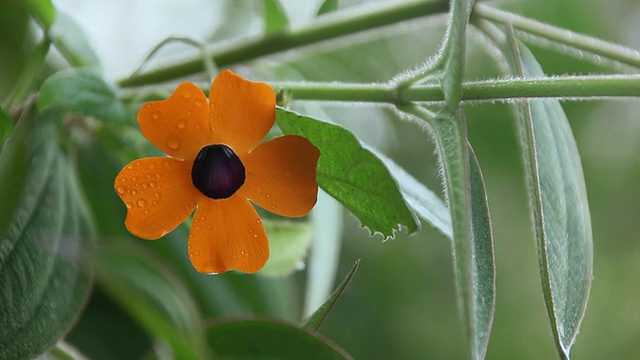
[
  {"x": 558, "y": 198},
  {"x": 472, "y": 236}
]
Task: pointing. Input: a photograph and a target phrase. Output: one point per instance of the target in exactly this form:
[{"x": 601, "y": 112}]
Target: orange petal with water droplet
[
  {"x": 242, "y": 111},
  {"x": 179, "y": 125},
  {"x": 281, "y": 175},
  {"x": 158, "y": 194},
  {"x": 227, "y": 235}
]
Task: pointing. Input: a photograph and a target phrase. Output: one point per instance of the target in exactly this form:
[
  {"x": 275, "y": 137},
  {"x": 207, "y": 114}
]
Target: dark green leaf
[
  {"x": 352, "y": 174},
  {"x": 472, "y": 237},
  {"x": 6, "y": 126},
  {"x": 270, "y": 339},
  {"x": 275, "y": 17},
  {"x": 28, "y": 75},
  {"x": 317, "y": 318},
  {"x": 45, "y": 240},
  {"x": 288, "y": 243},
  {"x": 153, "y": 294},
  {"x": 43, "y": 11},
  {"x": 70, "y": 39},
  {"x": 558, "y": 197},
  {"x": 83, "y": 91},
  {"x": 328, "y": 6}
]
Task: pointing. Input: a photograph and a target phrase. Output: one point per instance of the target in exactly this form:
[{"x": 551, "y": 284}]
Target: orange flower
[{"x": 217, "y": 164}]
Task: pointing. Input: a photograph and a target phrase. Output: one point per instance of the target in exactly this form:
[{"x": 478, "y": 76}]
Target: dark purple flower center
[{"x": 217, "y": 171}]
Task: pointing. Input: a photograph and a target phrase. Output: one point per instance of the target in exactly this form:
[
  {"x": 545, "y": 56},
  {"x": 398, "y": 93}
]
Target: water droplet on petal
[
  {"x": 146, "y": 211},
  {"x": 152, "y": 184},
  {"x": 155, "y": 115},
  {"x": 142, "y": 203},
  {"x": 186, "y": 94},
  {"x": 173, "y": 143},
  {"x": 181, "y": 124},
  {"x": 129, "y": 205},
  {"x": 134, "y": 192},
  {"x": 122, "y": 190},
  {"x": 199, "y": 103},
  {"x": 258, "y": 221},
  {"x": 157, "y": 195}
]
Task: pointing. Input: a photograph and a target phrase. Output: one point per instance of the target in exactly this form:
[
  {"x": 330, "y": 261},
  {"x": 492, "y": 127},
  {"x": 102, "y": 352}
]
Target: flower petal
[
  {"x": 227, "y": 235},
  {"x": 281, "y": 175},
  {"x": 242, "y": 111},
  {"x": 158, "y": 194},
  {"x": 179, "y": 126}
]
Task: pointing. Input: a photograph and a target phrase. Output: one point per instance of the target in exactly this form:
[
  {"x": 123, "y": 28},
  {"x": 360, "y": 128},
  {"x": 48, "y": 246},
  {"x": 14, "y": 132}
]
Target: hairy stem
[{"x": 609, "y": 50}]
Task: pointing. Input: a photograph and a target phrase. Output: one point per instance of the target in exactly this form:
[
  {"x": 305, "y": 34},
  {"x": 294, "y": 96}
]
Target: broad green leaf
[
  {"x": 288, "y": 244},
  {"x": 43, "y": 11},
  {"x": 558, "y": 197},
  {"x": 317, "y": 318},
  {"x": 352, "y": 174},
  {"x": 83, "y": 91},
  {"x": 422, "y": 200},
  {"x": 45, "y": 240},
  {"x": 275, "y": 17},
  {"x": 328, "y": 226},
  {"x": 270, "y": 339},
  {"x": 70, "y": 39},
  {"x": 153, "y": 294},
  {"x": 473, "y": 257},
  {"x": 327, "y": 7}
]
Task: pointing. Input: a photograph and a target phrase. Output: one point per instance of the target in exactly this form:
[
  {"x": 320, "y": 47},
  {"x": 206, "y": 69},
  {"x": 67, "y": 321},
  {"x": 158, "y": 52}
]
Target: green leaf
[
  {"x": 352, "y": 174},
  {"x": 43, "y": 11},
  {"x": 83, "y": 91},
  {"x": 270, "y": 339},
  {"x": 45, "y": 239},
  {"x": 6, "y": 127},
  {"x": 421, "y": 199},
  {"x": 153, "y": 294},
  {"x": 328, "y": 6},
  {"x": 288, "y": 243},
  {"x": 275, "y": 17},
  {"x": 29, "y": 74},
  {"x": 317, "y": 318},
  {"x": 558, "y": 197},
  {"x": 70, "y": 39},
  {"x": 473, "y": 256}
]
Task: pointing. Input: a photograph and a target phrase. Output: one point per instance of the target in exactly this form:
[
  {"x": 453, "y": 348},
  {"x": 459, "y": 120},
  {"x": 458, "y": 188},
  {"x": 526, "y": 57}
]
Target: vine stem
[
  {"x": 569, "y": 87},
  {"x": 578, "y": 87},
  {"x": 558, "y": 35},
  {"x": 324, "y": 28}
]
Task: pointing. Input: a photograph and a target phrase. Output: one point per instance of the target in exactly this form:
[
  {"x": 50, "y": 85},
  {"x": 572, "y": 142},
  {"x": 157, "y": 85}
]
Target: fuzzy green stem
[
  {"x": 577, "y": 41},
  {"x": 582, "y": 87},
  {"x": 324, "y": 28}
]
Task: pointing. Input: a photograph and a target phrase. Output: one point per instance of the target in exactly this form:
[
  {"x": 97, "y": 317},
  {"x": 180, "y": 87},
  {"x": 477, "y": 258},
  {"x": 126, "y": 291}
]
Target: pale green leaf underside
[
  {"x": 45, "y": 238},
  {"x": 472, "y": 241},
  {"x": 561, "y": 212},
  {"x": 352, "y": 174},
  {"x": 288, "y": 243}
]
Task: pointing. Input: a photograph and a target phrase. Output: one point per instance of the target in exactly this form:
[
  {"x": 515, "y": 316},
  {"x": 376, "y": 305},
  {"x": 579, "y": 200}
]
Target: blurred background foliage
[{"x": 401, "y": 304}]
